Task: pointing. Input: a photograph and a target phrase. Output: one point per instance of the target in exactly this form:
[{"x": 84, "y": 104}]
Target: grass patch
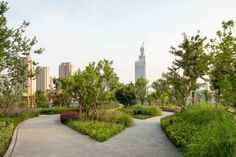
[
  {"x": 202, "y": 130},
  {"x": 113, "y": 116},
  {"x": 56, "y": 110},
  {"x": 98, "y": 130},
  {"x": 141, "y": 116},
  {"x": 143, "y": 111},
  {"x": 101, "y": 125}
]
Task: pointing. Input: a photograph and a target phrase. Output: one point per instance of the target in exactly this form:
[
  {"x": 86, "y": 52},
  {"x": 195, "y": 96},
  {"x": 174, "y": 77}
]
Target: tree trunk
[{"x": 193, "y": 97}]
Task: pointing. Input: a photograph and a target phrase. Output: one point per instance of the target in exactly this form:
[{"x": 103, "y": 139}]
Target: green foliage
[
  {"x": 7, "y": 125},
  {"x": 126, "y": 95},
  {"x": 162, "y": 90},
  {"x": 56, "y": 110},
  {"x": 101, "y": 131},
  {"x": 96, "y": 83},
  {"x": 192, "y": 60},
  {"x": 41, "y": 100},
  {"x": 141, "y": 116},
  {"x": 13, "y": 45},
  {"x": 202, "y": 130},
  {"x": 113, "y": 116},
  {"x": 223, "y": 63},
  {"x": 146, "y": 110},
  {"x": 5, "y": 136},
  {"x": 141, "y": 89}
]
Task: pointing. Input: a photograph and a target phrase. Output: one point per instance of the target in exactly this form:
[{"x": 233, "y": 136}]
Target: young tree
[
  {"x": 126, "y": 95},
  {"x": 141, "y": 89},
  {"x": 93, "y": 84},
  {"x": 13, "y": 45},
  {"x": 179, "y": 86},
  {"x": 192, "y": 60},
  {"x": 223, "y": 65},
  {"x": 162, "y": 90},
  {"x": 41, "y": 100}
]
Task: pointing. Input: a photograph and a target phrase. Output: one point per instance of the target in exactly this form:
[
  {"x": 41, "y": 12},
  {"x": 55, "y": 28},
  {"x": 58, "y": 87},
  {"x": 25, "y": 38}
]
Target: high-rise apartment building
[
  {"x": 140, "y": 65},
  {"x": 42, "y": 78},
  {"x": 28, "y": 85},
  {"x": 65, "y": 70}
]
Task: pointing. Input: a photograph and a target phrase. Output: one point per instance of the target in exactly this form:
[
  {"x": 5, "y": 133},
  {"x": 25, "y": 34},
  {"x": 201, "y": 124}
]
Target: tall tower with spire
[{"x": 140, "y": 65}]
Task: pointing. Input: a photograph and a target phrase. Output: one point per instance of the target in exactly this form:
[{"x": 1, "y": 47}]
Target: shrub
[
  {"x": 56, "y": 110},
  {"x": 146, "y": 110},
  {"x": 202, "y": 130},
  {"x": 100, "y": 131},
  {"x": 69, "y": 115},
  {"x": 113, "y": 116}
]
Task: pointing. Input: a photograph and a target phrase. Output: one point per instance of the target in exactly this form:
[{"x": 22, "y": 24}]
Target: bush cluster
[
  {"x": 56, "y": 110},
  {"x": 69, "y": 115},
  {"x": 202, "y": 130},
  {"x": 149, "y": 111},
  {"x": 113, "y": 116}
]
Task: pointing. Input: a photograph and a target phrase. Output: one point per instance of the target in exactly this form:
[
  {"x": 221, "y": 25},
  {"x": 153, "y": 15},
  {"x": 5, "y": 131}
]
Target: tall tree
[
  {"x": 192, "y": 60},
  {"x": 13, "y": 45},
  {"x": 223, "y": 65}
]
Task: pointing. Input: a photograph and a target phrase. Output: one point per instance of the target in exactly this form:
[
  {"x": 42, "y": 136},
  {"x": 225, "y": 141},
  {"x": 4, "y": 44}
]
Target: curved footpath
[{"x": 45, "y": 136}]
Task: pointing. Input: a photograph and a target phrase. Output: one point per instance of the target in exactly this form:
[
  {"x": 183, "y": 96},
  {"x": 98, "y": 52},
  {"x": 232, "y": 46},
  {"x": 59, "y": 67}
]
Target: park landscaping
[
  {"x": 100, "y": 126},
  {"x": 202, "y": 130},
  {"x": 143, "y": 111},
  {"x": 8, "y": 124}
]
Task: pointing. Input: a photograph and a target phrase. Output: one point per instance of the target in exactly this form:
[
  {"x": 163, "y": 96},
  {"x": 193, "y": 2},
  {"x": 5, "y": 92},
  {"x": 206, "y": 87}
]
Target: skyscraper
[
  {"x": 65, "y": 70},
  {"x": 140, "y": 65},
  {"x": 28, "y": 85},
  {"x": 42, "y": 78}
]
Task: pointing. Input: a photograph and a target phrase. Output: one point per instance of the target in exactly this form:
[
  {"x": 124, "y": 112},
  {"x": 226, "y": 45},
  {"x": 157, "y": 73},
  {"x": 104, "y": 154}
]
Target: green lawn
[
  {"x": 98, "y": 130},
  {"x": 141, "y": 116}
]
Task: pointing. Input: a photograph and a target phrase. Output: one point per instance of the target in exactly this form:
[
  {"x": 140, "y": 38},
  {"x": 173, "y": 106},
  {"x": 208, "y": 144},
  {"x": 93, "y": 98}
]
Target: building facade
[
  {"x": 28, "y": 85},
  {"x": 140, "y": 65},
  {"x": 65, "y": 70},
  {"x": 42, "y": 78}
]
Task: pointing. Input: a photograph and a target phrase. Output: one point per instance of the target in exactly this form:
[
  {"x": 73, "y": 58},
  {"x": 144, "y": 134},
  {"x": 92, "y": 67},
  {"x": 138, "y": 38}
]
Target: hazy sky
[{"x": 81, "y": 31}]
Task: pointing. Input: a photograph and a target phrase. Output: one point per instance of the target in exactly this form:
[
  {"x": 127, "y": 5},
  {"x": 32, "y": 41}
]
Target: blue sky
[{"x": 81, "y": 31}]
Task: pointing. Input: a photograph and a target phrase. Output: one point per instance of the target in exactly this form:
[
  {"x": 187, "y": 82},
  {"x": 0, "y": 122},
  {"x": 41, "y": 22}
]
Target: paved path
[{"x": 45, "y": 136}]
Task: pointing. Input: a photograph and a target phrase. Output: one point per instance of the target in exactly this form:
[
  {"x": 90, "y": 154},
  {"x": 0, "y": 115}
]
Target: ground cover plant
[
  {"x": 101, "y": 125},
  {"x": 143, "y": 111},
  {"x": 8, "y": 124},
  {"x": 202, "y": 130},
  {"x": 56, "y": 110}
]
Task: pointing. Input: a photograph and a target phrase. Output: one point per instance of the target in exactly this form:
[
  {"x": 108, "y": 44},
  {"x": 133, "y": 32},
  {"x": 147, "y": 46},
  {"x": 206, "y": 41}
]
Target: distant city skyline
[{"x": 81, "y": 31}]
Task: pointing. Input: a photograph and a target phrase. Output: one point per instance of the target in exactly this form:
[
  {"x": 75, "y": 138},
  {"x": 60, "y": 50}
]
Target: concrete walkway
[{"x": 45, "y": 136}]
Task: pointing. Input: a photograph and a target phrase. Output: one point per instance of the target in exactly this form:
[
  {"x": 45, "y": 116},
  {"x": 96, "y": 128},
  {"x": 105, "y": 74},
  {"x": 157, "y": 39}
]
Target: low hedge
[
  {"x": 202, "y": 130},
  {"x": 56, "y": 110}
]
